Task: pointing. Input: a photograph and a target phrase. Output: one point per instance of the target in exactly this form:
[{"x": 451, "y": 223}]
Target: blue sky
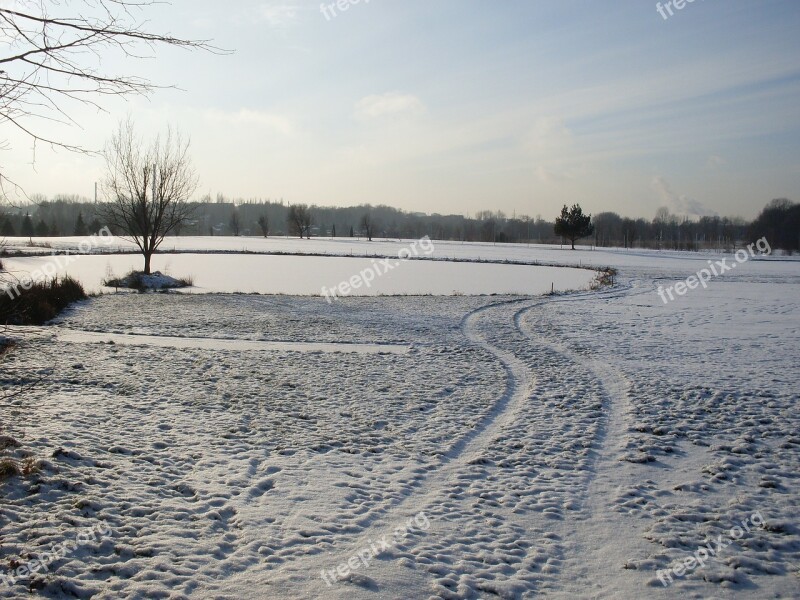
[{"x": 456, "y": 107}]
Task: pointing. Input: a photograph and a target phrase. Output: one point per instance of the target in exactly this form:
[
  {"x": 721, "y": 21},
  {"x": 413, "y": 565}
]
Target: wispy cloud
[
  {"x": 253, "y": 118},
  {"x": 549, "y": 142},
  {"x": 679, "y": 203},
  {"x": 274, "y": 13},
  {"x": 549, "y": 134},
  {"x": 278, "y": 14},
  {"x": 550, "y": 177},
  {"x": 715, "y": 162},
  {"x": 388, "y": 104}
]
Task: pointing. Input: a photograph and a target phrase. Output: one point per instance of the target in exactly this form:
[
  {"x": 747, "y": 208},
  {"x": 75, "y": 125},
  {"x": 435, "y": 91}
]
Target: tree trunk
[{"x": 147, "y": 258}]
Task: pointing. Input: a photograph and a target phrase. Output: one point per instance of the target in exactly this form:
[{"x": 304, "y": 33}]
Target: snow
[
  {"x": 71, "y": 336},
  {"x": 566, "y": 446},
  {"x": 308, "y": 275},
  {"x": 148, "y": 281}
]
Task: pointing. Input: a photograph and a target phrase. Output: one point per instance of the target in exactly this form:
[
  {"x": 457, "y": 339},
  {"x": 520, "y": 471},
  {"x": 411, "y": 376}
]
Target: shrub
[
  {"x": 8, "y": 442},
  {"x": 144, "y": 282},
  {"x": 41, "y": 303},
  {"x": 8, "y": 469},
  {"x": 31, "y": 466},
  {"x": 605, "y": 277},
  {"x": 132, "y": 281},
  {"x": 11, "y": 468}
]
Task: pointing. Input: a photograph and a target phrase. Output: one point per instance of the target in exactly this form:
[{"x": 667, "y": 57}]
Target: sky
[{"x": 459, "y": 106}]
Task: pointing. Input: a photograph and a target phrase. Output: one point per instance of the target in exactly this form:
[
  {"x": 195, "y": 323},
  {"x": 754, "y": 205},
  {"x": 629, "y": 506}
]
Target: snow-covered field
[{"x": 239, "y": 446}]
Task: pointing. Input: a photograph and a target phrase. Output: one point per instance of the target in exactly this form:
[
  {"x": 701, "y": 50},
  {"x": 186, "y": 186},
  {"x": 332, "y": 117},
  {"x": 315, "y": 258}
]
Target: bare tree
[
  {"x": 368, "y": 225},
  {"x": 236, "y": 224},
  {"x": 148, "y": 187},
  {"x": 300, "y": 220},
  {"x": 52, "y": 55},
  {"x": 263, "y": 223}
]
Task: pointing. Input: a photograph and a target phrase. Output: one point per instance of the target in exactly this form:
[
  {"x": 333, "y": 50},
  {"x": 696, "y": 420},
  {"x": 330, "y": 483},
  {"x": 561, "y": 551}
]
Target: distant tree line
[
  {"x": 779, "y": 222},
  {"x": 63, "y": 216}
]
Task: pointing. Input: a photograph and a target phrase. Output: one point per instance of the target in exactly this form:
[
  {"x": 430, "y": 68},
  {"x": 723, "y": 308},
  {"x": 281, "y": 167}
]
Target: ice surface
[{"x": 308, "y": 275}]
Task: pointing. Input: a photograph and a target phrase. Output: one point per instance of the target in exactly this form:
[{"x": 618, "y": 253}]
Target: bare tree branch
[
  {"x": 299, "y": 220},
  {"x": 148, "y": 187},
  {"x": 50, "y": 62}
]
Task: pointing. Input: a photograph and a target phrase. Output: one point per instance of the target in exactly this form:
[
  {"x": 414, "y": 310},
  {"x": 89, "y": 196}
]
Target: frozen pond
[{"x": 308, "y": 275}]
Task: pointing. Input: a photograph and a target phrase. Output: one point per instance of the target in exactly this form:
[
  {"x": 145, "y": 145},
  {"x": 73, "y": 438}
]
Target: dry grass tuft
[{"x": 9, "y": 469}]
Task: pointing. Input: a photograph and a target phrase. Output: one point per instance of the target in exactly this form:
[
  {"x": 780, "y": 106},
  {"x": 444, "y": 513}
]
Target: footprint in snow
[{"x": 261, "y": 488}]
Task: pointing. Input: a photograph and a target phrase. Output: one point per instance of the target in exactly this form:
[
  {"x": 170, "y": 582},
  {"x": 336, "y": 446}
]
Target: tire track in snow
[
  {"x": 432, "y": 487},
  {"x": 434, "y": 484},
  {"x": 599, "y": 535},
  {"x": 520, "y": 383}
]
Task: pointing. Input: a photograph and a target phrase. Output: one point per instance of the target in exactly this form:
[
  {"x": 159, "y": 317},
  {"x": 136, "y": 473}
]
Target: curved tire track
[
  {"x": 598, "y": 533},
  {"x": 434, "y": 484}
]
